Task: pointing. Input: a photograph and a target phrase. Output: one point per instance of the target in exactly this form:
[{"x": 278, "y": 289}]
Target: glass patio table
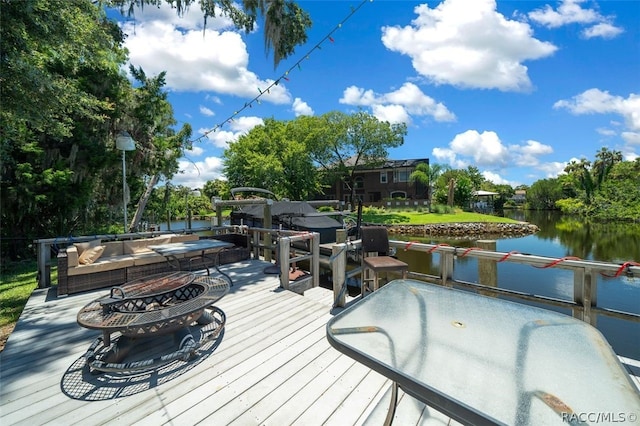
[
  {"x": 173, "y": 252},
  {"x": 483, "y": 360}
]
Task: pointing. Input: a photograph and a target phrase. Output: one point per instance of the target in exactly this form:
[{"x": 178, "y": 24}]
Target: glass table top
[{"x": 480, "y": 358}]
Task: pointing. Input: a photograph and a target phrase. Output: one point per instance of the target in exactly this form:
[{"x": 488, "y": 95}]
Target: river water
[{"x": 559, "y": 236}]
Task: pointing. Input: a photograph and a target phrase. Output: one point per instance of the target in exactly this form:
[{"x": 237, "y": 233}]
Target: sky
[{"x": 515, "y": 88}]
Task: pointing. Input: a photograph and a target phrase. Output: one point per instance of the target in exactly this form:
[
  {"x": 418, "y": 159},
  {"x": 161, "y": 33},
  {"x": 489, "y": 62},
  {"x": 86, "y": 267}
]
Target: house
[
  {"x": 520, "y": 196},
  {"x": 382, "y": 182}
]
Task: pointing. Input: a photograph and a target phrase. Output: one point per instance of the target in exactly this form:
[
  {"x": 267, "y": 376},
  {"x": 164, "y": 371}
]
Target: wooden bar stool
[{"x": 375, "y": 239}]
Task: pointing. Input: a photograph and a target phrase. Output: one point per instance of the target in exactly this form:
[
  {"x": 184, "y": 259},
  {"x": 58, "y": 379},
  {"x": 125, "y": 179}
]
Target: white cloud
[
  {"x": 553, "y": 169},
  {"x": 214, "y": 99},
  {"x": 596, "y": 101},
  {"x": 206, "y": 111},
  {"x": 194, "y": 151},
  {"x": 239, "y": 126},
  {"x": 496, "y": 178},
  {"x": 571, "y": 12},
  {"x": 193, "y": 19},
  {"x": 468, "y": 44},
  {"x": 215, "y": 61},
  {"x": 448, "y": 156},
  {"x": 632, "y": 138},
  {"x": 486, "y": 150},
  {"x": 399, "y": 105},
  {"x": 527, "y": 155},
  {"x": 604, "y": 30},
  {"x": 391, "y": 113},
  {"x": 301, "y": 108},
  {"x": 196, "y": 174},
  {"x": 606, "y": 132}
]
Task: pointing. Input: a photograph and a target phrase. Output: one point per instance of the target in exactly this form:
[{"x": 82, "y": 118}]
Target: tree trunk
[
  {"x": 450, "y": 197},
  {"x": 142, "y": 204}
]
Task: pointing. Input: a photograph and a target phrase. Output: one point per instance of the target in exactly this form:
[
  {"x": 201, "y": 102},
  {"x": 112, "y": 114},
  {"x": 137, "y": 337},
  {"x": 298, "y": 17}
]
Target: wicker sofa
[{"x": 96, "y": 264}]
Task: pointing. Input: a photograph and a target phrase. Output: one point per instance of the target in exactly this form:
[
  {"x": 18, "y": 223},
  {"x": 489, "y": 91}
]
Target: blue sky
[{"x": 515, "y": 88}]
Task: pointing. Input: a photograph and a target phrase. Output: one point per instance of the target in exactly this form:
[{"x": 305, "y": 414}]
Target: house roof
[{"x": 389, "y": 164}]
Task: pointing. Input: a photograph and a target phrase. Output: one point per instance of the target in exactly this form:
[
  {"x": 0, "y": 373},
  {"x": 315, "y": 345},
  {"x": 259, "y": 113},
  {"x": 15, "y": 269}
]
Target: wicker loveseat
[{"x": 96, "y": 264}]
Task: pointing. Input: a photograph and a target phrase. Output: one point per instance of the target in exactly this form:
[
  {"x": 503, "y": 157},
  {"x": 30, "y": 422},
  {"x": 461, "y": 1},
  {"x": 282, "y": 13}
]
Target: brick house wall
[{"x": 391, "y": 180}]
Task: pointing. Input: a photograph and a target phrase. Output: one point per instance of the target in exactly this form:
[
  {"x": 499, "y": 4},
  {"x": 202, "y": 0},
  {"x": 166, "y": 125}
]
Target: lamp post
[{"x": 125, "y": 142}]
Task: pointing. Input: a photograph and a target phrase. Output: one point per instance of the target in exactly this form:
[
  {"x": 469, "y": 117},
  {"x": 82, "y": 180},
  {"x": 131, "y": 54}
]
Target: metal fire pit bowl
[{"x": 158, "y": 304}]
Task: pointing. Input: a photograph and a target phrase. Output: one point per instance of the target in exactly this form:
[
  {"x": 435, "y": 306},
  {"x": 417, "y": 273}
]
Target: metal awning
[{"x": 483, "y": 193}]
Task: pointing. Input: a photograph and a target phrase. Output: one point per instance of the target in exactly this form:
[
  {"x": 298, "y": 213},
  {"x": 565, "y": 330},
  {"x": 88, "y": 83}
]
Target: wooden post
[
  {"x": 315, "y": 260},
  {"x": 284, "y": 250},
  {"x": 487, "y": 268},
  {"x": 339, "y": 272},
  {"x": 219, "y": 215},
  {"x": 584, "y": 294},
  {"x": 341, "y": 236},
  {"x": 267, "y": 223},
  {"x": 44, "y": 269},
  {"x": 446, "y": 269}
]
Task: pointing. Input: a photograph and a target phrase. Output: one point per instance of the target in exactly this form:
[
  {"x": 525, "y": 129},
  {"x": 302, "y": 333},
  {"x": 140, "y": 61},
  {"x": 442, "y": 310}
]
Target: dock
[{"x": 271, "y": 366}]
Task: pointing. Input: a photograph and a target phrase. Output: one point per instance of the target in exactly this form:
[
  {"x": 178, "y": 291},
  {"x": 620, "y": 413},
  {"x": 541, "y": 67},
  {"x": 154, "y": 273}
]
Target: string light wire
[{"x": 285, "y": 76}]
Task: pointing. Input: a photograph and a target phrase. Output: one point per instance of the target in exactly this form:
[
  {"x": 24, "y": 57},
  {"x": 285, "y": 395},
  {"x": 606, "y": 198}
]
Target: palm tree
[{"x": 427, "y": 174}]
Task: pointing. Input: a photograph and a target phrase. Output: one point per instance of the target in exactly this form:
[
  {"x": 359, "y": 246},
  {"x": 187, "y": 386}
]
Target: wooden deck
[{"x": 272, "y": 366}]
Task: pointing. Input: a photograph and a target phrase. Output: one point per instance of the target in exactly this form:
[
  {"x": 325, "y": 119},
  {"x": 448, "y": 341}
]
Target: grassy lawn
[
  {"x": 412, "y": 217},
  {"x": 17, "y": 282}
]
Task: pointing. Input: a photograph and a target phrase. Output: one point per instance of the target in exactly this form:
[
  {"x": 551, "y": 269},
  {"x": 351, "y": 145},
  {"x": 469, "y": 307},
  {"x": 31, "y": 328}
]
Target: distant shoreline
[{"x": 466, "y": 229}]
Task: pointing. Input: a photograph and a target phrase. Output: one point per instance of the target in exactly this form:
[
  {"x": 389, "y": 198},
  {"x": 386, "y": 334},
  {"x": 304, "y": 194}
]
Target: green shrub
[
  {"x": 570, "y": 206},
  {"x": 442, "y": 209}
]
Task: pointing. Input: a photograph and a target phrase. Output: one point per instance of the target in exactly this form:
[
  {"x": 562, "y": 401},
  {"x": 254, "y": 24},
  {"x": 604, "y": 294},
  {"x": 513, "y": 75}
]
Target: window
[
  {"x": 399, "y": 194},
  {"x": 358, "y": 182},
  {"x": 401, "y": 175},
  {"x": 383, "y": 177}
]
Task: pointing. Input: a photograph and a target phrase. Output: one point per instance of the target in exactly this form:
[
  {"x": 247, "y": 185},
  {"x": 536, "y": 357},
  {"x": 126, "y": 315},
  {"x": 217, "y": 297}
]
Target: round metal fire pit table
[{"x": 151, "y": 306}]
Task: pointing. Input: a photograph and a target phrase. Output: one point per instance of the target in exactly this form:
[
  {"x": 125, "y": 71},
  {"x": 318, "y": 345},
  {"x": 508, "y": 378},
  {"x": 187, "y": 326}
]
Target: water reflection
[
  {"x": 606, "y": 241},
  {"x": 559, "y": 236}
]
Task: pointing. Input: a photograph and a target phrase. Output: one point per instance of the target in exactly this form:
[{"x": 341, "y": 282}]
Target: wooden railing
[
  {"x": 284, "y": 244},
  {"x": 585, "y": 276}
]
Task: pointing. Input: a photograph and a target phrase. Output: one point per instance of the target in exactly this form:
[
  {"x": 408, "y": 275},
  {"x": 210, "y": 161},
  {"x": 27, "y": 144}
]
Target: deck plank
[{"x": 272, "y": 366}]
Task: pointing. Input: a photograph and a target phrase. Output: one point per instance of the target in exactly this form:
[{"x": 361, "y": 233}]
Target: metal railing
[
  {"x": 585, "y": 276},
  {"x": 45, "y": 245}
]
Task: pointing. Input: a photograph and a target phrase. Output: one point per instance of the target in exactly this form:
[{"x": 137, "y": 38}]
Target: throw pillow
[
  {"x": 85, "y": 246},
  {"x": 90, "y": 255}
]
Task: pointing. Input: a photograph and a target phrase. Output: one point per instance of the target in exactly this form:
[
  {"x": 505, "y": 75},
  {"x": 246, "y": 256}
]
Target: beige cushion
[
  {"x": 90, "y": 255},
  {"x": 113, "y": 248},
  {"x": 141, "y": 246},
  {"x": 185, "y": 237},
  {"x": 103, "y": 264},
  {"x": 87, "y": 245},
  {"x": 147, "y": 258},
  {"x": 160, "y": 239},
  {"x": 136, "y": 246},
  {"x": 72, "y": 257}
]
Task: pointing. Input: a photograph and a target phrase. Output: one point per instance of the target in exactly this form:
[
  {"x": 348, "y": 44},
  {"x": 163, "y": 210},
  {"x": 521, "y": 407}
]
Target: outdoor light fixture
[{"x": 125, "y": 142}]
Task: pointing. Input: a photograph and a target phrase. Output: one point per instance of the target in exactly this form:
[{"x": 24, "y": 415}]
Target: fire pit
[{"x": 156, "y": 305}]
